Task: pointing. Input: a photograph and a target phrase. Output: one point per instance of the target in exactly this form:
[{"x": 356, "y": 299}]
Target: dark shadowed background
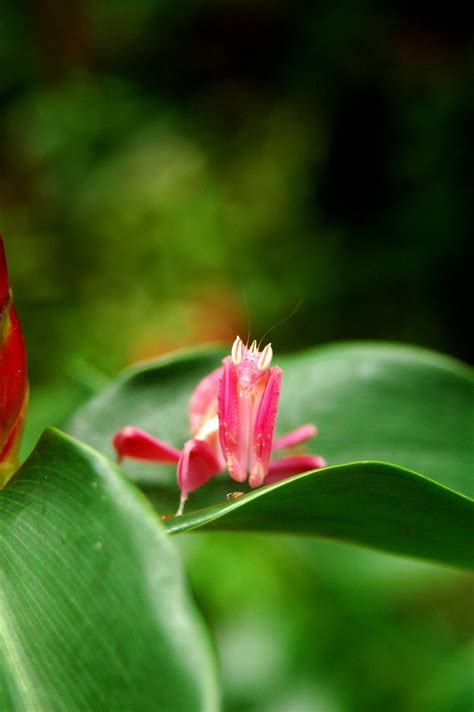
[{"x": 172, "y": 171}]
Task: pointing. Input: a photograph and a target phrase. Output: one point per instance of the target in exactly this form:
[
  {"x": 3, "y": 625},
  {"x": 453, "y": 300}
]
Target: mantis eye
[
  {"x": 236, "y": 352},
  {"x": 266, "y": 357}
]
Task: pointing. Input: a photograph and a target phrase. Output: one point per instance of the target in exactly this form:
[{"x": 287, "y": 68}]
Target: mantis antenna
[
  {"x": 279, "y": 323},
  {"x": 247, "y": 310}
]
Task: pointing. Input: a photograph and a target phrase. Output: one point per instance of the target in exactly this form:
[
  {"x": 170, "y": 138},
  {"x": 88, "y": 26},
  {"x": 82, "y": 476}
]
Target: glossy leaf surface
[
  {"x": 370, "y": 503},
  {"x": 94, "y": 609},
  {"x": 372, "y": 403}
]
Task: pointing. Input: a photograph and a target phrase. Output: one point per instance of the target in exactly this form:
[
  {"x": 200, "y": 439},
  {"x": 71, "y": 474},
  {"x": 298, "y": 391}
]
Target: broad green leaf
[
  {"x": 370, "y": 503},
  {"x": 94, "y": 610},
  {"x": 371, "y": 401}
]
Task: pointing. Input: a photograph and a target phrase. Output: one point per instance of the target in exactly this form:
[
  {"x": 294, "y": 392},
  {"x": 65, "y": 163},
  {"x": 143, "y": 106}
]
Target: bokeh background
[{"x": 170, "y": 173}]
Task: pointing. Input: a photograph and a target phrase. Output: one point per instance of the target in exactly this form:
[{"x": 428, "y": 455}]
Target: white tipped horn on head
[
  {"x": 265, "y": 358},
  {"x": 254, "y": 348},
  {"x": 236, "y": 353}
]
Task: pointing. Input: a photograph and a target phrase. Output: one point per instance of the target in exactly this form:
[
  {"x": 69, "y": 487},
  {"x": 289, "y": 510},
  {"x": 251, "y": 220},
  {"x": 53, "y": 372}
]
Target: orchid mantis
[{"x": 232, "y": 415}]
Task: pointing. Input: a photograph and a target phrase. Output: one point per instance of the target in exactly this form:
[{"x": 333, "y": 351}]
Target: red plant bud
[{"x": 13, "y": 376}]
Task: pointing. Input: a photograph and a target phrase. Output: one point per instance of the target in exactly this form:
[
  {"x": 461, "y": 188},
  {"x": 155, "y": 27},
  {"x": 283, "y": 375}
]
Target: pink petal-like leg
[
  {"x": 263, "y": 428},
  {"x": 229, "y": 420},
  {"x": 283, "y": 467},
  {"x": 295, "y": 437},
  {"x": 203, "y": 404},
  {"x": 197, "y": 464},
  {"x": 133, "y": 442}
]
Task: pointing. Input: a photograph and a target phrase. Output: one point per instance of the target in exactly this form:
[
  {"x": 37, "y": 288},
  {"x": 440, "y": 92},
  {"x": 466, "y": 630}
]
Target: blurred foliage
[
  {"x": 161, "y": 162},
  {"x": 317, "y": 626},
  {"x": 162, "y": 165}
]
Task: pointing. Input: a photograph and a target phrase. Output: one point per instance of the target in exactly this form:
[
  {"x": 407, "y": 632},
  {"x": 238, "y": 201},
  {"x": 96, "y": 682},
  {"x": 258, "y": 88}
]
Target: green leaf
[
  {"x": 370, "y": 503},
  {"x": 94, "y": 611},
  {"x": 371, "y": 401}
]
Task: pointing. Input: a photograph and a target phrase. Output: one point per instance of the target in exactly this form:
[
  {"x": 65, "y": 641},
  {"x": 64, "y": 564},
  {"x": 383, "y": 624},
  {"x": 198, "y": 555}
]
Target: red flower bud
[{"x": 13, "y": 376}]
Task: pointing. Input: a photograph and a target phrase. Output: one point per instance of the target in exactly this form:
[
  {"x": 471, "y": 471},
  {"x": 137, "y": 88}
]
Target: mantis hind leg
[{"x": 136, "y": 443}]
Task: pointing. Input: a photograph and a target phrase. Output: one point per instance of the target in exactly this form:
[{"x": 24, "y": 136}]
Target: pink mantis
[{"x": 232, "y": 415}]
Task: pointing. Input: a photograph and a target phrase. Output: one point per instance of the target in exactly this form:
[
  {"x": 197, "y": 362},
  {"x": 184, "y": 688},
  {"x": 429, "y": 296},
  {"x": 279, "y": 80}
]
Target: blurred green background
[{"x": 171, "y": 172}]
